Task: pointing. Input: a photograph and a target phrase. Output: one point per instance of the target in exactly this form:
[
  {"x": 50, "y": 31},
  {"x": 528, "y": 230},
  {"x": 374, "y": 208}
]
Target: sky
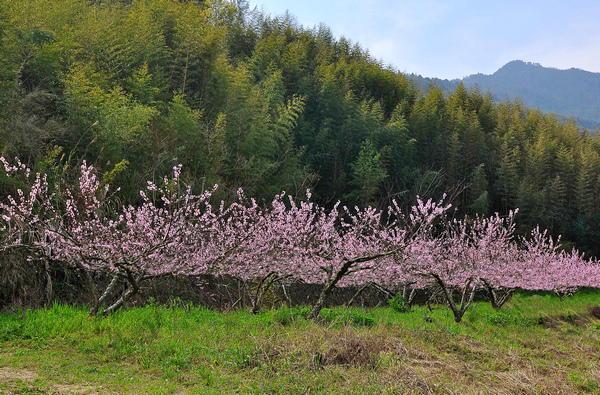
[{"x": 456, "y": 38}]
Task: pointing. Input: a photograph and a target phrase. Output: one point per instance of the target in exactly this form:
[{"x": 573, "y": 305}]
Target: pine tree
[
  {"x": 478, "y": 190},
  {"x": 368, "y": 174},
  {"x": 587, "y": 185},
  {"x": 508, "y": 181}
]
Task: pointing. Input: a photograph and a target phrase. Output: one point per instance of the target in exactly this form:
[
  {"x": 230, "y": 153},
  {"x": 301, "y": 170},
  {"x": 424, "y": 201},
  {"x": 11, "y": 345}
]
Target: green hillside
[{"x": 245, "y": 100}]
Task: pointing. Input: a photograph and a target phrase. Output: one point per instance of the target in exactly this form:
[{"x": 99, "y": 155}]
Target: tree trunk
[
  {"x": 134, "y": 287},
  {"x": 263, "y": 286},
  {"x": 314, "y": 313},
  {"x": 497, "y": 296},
  {"x": 108, "y": 293},
  {"x": 86, "y": 275},
  {"x": 500, "y": 296},
  {"x": 408, "y": 296},
  {"x": 357, "y": 294},
  {"x": 333, "y": 280},
  {"x": 49, "y": 290},
  {"x": 466, "y": 299}
]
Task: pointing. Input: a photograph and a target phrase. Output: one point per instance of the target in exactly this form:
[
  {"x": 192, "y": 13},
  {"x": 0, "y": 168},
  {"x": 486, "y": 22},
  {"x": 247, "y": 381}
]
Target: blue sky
[{"x": 456, "y": 38}]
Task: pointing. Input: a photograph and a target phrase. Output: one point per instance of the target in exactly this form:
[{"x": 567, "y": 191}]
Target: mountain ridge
[{"x": 568, "y": 93}]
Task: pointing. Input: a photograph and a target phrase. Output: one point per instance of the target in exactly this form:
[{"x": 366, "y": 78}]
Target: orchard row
[{"x": 174, "y": 231}]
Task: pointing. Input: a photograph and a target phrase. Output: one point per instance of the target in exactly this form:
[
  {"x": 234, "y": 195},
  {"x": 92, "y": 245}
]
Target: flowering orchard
[{"x": 173, "y": 231}]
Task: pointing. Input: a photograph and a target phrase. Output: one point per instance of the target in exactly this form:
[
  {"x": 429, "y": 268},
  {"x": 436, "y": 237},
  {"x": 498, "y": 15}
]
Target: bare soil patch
[{"x": 14, "y": 376}]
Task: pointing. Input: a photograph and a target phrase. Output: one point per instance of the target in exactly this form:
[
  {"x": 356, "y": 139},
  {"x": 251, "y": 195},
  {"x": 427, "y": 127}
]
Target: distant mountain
[{"x": 572, "y": 92}]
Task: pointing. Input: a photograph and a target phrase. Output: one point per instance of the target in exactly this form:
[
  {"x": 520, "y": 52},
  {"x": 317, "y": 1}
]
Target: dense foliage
[{"x": 246, "y": 100}]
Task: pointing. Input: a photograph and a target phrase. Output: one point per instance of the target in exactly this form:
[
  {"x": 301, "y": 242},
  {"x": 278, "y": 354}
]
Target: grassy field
[{"x": 535, "y": 344}]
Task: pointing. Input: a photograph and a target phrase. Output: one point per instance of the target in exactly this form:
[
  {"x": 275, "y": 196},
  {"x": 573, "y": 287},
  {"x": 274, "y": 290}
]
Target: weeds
[
  {"x": 398, "y": 304},
  {"x": 504, "y": 319},
  {"x": 338, "y": 317},
  {"x": 183, "y": 348}
]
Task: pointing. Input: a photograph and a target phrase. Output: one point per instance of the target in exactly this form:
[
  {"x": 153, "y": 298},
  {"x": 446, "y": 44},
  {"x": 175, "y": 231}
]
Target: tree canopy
[{"x": 247, "y": 100}]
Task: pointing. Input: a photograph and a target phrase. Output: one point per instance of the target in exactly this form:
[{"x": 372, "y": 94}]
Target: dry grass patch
[
  {"x": 348, "y": 347},
  {"x": 563, "y": 358},
  {"x": 24, "y": 381},
  {"x": 539, "y": 366},
  {"x": 13, "y": 374}
]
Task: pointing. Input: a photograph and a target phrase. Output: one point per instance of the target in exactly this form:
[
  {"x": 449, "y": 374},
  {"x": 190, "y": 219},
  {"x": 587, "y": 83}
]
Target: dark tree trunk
[
  {"x": 408, "y": 294},
  {"x": 49, "y": 290},
  {"x": 468, "y": 294},
  {"x": 263, "y": 286},
  {"x": 329, "y": 285},
  {"x": 106, "y": 295},
  {"x": 132, "y": 289},
  {"x": 498, "y": 296},
  {"x": 333, "y": 280}
]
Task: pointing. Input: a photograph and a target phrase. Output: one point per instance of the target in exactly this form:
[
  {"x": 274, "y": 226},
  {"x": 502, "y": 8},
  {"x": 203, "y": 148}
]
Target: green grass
[{"x": 535, "y": 344}]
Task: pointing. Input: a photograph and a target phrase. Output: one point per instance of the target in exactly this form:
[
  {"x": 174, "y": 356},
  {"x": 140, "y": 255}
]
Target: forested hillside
[{"x": 245, "y": 100}]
